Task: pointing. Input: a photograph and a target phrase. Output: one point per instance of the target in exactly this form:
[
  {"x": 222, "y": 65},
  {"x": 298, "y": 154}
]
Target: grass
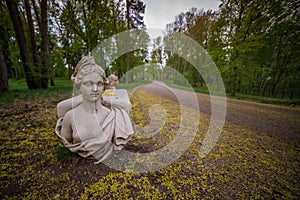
[
  {"x": 268, "y": 100},
  {"x": 202, "y": 90},
  {"x": 132, "y": 85},
  {"x": 20, "y": 84},
  {"x": 19, "y": 91},
  {"x": 240, "y": 96}
]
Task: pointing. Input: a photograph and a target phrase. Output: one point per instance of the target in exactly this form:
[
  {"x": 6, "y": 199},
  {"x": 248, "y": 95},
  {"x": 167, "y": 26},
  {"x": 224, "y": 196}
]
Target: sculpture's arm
[
  {"x": 66, "y": 129},
  {"x": 64, "y": 106}
]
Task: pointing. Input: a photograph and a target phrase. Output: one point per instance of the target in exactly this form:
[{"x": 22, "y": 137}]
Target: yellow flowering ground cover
[{"x": 243, "y": 164}]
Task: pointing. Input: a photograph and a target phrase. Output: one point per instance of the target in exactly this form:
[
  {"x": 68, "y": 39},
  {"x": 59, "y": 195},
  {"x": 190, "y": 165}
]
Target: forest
[{"x": 254, "y": 43}]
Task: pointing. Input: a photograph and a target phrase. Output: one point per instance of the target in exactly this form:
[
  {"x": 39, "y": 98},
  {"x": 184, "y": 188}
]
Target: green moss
[
  {"x": 63, "y": 154},
  {"x": 122, "y": 186}
]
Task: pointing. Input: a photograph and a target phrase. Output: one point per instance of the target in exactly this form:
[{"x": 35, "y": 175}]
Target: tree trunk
[
  {"x": 277, "y": 81},
  {"x": 128, "y": 41},
  {"x": 284, "y": 89},
  {"x": 274, "y": 89},
  {"x": 292, "y": 94},
  {"x": 52, "y": 81},
  {"x": 45, "y": 47},
  {"x": 3, "y": 74},
  {"x": 5, "y": 37},
  {"x": 262, "y": 87},
  {"x": 20, "y": 36},
  {"x": 233, "y": 82},
  {"x": 32, "y": 35},
  {"x": 239, "y": 86}
]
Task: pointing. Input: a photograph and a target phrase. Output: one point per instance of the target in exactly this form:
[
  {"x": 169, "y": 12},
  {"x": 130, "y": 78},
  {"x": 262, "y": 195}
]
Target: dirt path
[{"x": 281, "y": 122}]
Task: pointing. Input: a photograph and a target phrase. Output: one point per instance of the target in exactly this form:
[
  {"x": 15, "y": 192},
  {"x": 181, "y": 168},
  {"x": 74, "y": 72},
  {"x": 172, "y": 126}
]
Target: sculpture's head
[
  {"x": 112, "y": 81},
  {"x": 86, "y": 66}
]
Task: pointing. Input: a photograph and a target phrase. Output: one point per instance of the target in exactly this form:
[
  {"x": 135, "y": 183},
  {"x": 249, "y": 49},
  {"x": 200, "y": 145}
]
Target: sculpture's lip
[{"x": 95, "y": 94}]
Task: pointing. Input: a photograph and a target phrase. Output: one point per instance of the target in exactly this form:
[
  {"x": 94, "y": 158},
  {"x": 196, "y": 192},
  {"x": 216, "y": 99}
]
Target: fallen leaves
[{"x": 243, "y": 164}]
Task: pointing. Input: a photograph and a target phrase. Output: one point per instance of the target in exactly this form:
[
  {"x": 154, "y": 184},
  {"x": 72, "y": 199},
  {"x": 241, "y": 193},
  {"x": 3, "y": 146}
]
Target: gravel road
[{"x": 282, "y": 122}]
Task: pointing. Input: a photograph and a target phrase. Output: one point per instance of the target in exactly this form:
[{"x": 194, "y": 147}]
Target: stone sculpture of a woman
[{"x": 85, "y": 125}]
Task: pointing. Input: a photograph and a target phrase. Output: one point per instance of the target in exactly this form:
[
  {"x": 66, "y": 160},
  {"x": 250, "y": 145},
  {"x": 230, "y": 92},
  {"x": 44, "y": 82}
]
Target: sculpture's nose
[{"x": 95, "y": 88}]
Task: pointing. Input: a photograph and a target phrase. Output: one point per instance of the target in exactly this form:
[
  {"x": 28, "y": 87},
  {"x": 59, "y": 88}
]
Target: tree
[
  {"x": 45, "y": 46},
  {"x": 236, "y": 39},
  {"x": 34, "y": 49},
  {"x": 284, "y": 41},
  {"x": 42, "y": 21},
  {"x": 37, "y": 69},
  {"x": 3, "y": 48},
  {"x": 256, "y": 50},
  {"x": 134, "y": 18},
  {"x": 157, "y": 52},
  {"x": 20, "y": 35},
  {"x": 196, "y": 24},
  {"x": 84, "y": 24},
  {"x": 3, "y": 74}
]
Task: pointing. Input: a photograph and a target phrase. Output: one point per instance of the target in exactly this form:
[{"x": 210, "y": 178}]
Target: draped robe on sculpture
[{"x": 114, "y": 133}]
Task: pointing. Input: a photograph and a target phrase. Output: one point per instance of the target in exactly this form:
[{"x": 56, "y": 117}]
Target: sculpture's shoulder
[
  {"x": 64, "y": 106},
  {"x": 106, "y": 111},
  {"x": 69, "y": 116},
  {"x": 117, "y": 98}
]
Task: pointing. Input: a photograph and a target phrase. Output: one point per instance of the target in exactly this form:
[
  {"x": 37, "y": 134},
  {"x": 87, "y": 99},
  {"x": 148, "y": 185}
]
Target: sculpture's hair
[{"x": 85, "y": 66}]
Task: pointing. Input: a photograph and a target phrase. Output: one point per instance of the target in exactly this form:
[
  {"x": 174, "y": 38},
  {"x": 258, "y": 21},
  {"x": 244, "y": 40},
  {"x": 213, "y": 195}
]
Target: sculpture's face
[{"x": 92, "y": 87}]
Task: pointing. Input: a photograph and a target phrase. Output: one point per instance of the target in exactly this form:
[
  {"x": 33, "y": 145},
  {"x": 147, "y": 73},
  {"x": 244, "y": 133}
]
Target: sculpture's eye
[
  {"x": 87, "y": 83},
  {"x": 100, "y": 84}
]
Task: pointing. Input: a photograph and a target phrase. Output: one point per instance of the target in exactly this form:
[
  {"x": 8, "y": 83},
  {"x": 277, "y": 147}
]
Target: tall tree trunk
[
  {"x": 274, "y": 89},
  {"x": 32, "y": 35},
  {"x": 262, "y": 87},
  {"x": 3, "y": 73},
  {"x": 4, "y": 40},
  {"x": 278, "y": 79},
  {"x": 114, "y": 7},
  {"x": 128, "y": 40},
  {"x": 45, "y": 47},
  {"x": 20, "y": 35},
  {"x": 233, "y": 81}
]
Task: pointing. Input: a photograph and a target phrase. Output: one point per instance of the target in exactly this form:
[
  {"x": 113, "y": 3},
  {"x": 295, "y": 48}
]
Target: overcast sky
[{"x": 159, "y": 13}]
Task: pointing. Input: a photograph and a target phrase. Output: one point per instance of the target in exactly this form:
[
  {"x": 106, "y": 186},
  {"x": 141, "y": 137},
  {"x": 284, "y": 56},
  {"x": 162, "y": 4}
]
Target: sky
[{"x": 159, "y": 13}]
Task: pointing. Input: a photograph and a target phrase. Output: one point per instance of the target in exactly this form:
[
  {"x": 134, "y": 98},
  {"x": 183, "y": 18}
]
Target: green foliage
[
  {"x": 253, "y": 50},
  {"x": 75, "y": 28},
  {"x": 196, "y": 24}
]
